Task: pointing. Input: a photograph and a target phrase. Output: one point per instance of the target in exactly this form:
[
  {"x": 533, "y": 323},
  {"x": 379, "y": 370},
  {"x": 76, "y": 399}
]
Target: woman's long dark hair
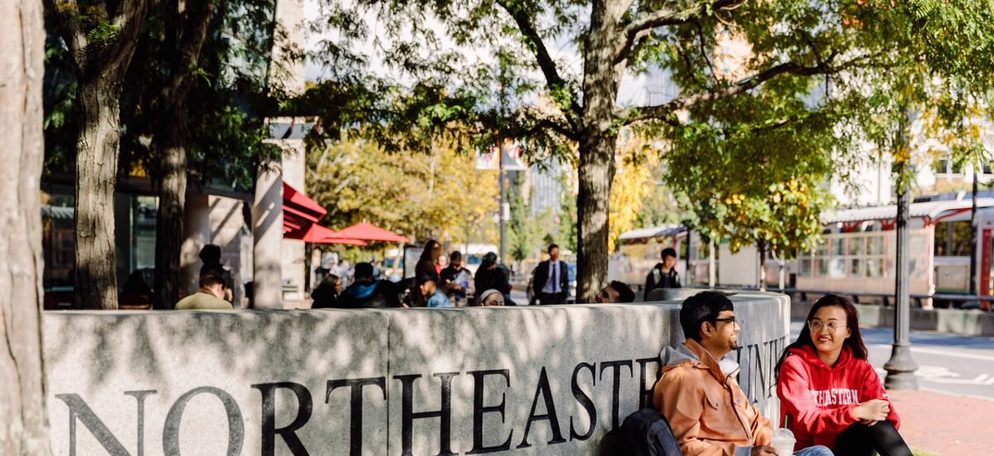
[
  {"x": 426, "y": 253},
  {"x": 854, "y": 342}
]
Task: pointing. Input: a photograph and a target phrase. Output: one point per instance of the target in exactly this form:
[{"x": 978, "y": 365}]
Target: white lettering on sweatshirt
[{"x": 835, "y": 396}]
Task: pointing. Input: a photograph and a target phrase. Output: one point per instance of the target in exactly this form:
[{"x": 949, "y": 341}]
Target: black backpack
[{"x": 647, "y": 433}]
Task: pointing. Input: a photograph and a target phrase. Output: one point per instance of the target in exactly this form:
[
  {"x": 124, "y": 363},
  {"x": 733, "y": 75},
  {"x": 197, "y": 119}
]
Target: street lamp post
[
  {"x": 500, "y": 179},
  {"x": 900, "y": 367}
]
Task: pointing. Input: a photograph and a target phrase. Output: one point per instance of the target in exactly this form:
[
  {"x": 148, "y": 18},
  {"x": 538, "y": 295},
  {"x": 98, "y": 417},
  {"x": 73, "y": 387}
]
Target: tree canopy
[
  {"x": 770, "y": 97},
  {"x": 438, "y": 195}
]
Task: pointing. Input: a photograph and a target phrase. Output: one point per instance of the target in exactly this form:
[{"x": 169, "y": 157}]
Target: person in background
[
  {"x": 829, "y": 393},
  {"x": 210, "y": 254},
  {"x": 430, "y": 289},
  {"x": 493, "y": 275},
  {"x": 136, "y": 294},
  {"x": 325, "y": 296},
  {"x": 456, "y": 279},
  {"x": 662, "y": 275},
  {"x": 615, "y": 292},
  {"x": 211, "y": 294},
  {"x": 367, "y": 292},
  {"x": 429, "y": 259},
  {"x": 551, "y": 280},
  {"x": 491, "y": 298}
]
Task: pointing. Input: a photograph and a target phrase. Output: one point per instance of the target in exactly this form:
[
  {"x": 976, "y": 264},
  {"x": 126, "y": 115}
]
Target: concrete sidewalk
[{"x": 946, "y": 425}]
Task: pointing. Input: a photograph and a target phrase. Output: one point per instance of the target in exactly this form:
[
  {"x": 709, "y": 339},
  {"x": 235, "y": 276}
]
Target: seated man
[
  {"x": 367, "y": 292},
  {"x": 211, "y": 294},
  {"x": 615, "y": 292},
  {"x": 707, "y": 410},
  {"x": 433, "y": 295}
]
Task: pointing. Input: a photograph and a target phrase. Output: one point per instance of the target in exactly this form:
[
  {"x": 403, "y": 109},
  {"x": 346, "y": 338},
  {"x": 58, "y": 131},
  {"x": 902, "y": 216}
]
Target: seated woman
[
  {"x": 829, "y": 393},
  {"x": 491, "y": 298}
]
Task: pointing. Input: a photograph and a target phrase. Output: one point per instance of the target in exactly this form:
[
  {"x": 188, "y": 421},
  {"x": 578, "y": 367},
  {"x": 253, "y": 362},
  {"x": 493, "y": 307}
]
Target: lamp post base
[{"x": 901, "y": 369}]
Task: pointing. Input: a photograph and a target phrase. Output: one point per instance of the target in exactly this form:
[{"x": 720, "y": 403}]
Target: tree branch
[
  {"x": 554, "y": 82},
  {"x": 642, "y": 26},
  {"x": 704, "y": 52},
  {"x": 131, "y": 19},
  {"x": 665, "y": 112},
  {"x": 192, "y": 29},
  {"x": 550, "y": 123},
  {"x": 66, "y": 13}
]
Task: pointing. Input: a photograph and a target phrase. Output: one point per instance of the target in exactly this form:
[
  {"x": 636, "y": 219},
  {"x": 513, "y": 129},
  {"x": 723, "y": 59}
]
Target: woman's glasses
[{"x": 818, "y": 325}]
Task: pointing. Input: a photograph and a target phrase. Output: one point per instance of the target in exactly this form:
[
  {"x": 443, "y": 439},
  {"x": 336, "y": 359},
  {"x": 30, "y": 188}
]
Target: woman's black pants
[{"x": 862, "y": 440}]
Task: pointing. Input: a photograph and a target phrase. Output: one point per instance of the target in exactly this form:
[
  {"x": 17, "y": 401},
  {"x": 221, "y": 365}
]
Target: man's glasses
[
  {"x": 818, "y": 325},
  {"x": 726, "y": 319}
]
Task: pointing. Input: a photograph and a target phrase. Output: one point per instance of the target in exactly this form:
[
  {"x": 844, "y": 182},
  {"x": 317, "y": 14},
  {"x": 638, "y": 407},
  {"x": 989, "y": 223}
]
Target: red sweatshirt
[{"x": 817, "y": 398}]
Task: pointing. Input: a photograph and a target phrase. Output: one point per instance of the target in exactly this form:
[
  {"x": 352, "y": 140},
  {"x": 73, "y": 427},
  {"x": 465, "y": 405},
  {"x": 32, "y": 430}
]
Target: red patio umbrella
[
  {"x": 317, "y": 234},
  {"x": 369, "y": 232}
]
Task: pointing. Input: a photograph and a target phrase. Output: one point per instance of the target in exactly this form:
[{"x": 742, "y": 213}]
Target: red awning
[
  {"x": 299, "y": 212},
  {"x": 369, "y": 232}
]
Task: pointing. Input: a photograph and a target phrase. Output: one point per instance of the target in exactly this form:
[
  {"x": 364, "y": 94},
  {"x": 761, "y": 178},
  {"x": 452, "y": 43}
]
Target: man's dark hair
[
  {"x": 488, "y": 259},
  {"x": 625, "y": 293},
  {"x": 668, "y": 252},
  {"x": 210, "y": 254},
  {"x": 211, "y": 276},
  {"x": 363, "y": 270},
  {"x": 701, "y": 307},
  {"x": 425, "y": 278},
  {"x": 552, "y": 246},
  {"x": 455, "y": 255}
]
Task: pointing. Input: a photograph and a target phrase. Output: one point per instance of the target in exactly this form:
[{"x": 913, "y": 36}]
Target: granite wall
[{"x": 517, "y": 380}]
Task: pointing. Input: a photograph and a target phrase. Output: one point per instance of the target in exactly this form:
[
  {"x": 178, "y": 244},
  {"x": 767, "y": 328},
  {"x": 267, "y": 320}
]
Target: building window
[{"x": 953, "y": 238}]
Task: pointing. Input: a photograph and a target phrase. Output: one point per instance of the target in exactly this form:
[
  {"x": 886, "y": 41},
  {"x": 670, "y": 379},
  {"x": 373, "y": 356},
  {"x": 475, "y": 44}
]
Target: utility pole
[
  {"x": 502, "y": 99},
  {"x": 901, "y": 367},
  {"x": 977, "y": 167}
]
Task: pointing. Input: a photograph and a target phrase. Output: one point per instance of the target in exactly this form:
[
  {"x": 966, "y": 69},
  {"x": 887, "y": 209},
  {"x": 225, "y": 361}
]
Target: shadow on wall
[{"x": 530, "y": 380}]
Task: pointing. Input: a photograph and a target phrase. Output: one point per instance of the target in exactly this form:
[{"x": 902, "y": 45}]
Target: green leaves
[
  {"x": 765, "y": 101},
  {"x": 436, "y": 194}
]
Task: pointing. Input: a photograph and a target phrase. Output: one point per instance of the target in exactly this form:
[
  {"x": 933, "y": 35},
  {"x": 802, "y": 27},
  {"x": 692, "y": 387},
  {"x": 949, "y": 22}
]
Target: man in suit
[{"x": 551, "y": 281}]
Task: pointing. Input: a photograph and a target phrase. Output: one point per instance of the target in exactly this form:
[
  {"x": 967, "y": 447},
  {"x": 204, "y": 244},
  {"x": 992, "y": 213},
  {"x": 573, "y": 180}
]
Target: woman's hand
[{"x": 871, "y": 411}]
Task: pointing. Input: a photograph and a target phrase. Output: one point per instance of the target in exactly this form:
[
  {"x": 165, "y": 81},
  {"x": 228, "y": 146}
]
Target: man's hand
[{"x": 765, "y": 451}]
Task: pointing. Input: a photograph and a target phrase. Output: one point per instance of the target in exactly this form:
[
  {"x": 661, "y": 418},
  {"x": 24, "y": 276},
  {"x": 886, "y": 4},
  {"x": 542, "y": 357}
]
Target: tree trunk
[
  {"x": 23, "y": 414},
  {"x": 595, "y": 174},
  {"x": 96, "y": 175},
  {"x": 169, "y": 217},
  {"x": 189, "y": 34},
  {"x": 597, "y": 146},
  {"x": 101, "y": 66}
]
